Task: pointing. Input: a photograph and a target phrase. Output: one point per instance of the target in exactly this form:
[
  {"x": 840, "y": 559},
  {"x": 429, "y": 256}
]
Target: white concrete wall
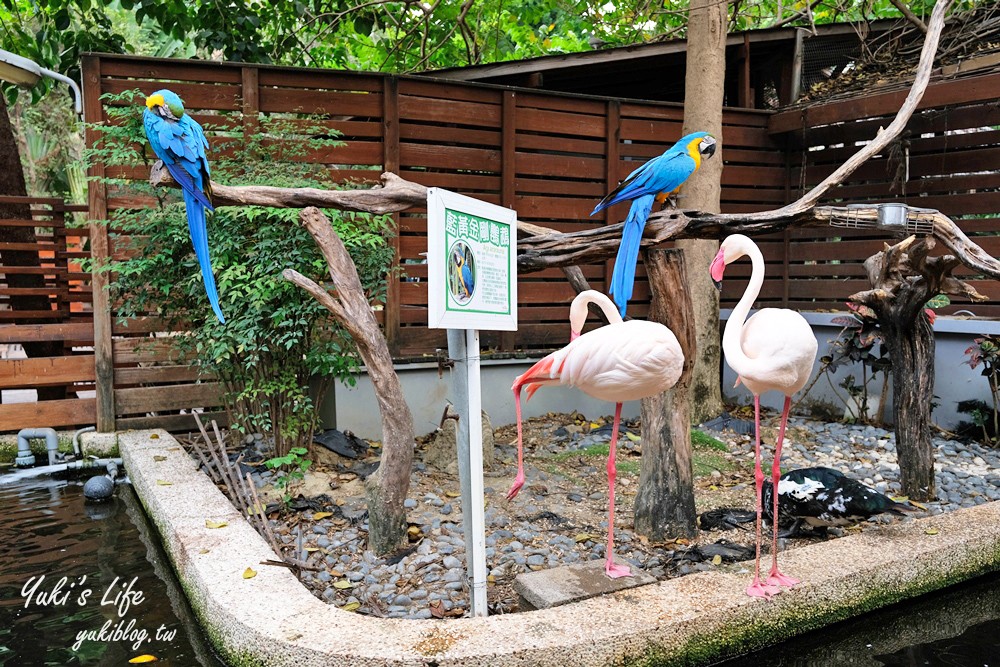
[
  {"x": 953, "y": 379},
  {"x": 355, "y": 408}
]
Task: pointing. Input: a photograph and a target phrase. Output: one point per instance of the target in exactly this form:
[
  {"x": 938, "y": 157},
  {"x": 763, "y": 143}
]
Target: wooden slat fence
[
  {"x": 56, "y": 389},
  {"x": 948, "y": 159}
]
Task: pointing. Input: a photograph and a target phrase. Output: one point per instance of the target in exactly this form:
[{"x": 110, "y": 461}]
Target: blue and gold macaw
[
  {"x": 179, "y": 141},
  {"x": 466, "y": 282},
  {"x": 657, "y": 180}
]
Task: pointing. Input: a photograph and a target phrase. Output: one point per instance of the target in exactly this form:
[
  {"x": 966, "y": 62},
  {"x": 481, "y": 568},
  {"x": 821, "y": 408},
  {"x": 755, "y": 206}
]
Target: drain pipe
[
  {"x": 39, "y": 471},
  {"x": 24, "y": 455},
  {"x": 76, "y": 439}
]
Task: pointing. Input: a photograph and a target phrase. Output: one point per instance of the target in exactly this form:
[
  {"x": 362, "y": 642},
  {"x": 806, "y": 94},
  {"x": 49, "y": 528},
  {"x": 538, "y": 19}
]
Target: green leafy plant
[
  {"x": 290, "y": 471},
  {"x": 860, "y": 342},
  {"x": 985, "y": 351},
  {"x": 279, "y": 348}
]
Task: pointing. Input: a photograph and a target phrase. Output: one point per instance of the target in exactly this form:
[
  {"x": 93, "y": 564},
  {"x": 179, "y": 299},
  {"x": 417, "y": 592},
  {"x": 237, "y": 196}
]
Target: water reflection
[
  {"x": 956, "y": 628},
  {"x": 108, "y": 549}
]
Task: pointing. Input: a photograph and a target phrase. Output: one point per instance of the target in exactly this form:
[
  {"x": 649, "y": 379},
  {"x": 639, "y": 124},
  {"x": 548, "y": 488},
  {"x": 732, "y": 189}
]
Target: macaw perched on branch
[
  {"x": 178, "y": 140},
  {"x": 657, "y": 180}
]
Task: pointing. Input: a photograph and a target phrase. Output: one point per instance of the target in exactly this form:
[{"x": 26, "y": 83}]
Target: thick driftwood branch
[
  {"x": 395, "y": 194},
  {"x": 386, "y": 489}
]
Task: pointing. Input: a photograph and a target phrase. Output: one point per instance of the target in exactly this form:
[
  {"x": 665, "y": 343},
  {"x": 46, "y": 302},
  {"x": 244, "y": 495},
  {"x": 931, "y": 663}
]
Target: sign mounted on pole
[{"x": 471, "y": 263}]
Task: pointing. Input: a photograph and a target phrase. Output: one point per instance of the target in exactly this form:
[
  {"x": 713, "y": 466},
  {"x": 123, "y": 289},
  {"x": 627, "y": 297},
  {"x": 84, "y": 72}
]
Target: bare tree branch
[{"x": 910, "y": 16}]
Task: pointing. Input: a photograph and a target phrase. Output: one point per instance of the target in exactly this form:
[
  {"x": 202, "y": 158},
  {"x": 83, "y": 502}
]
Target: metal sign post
[{"x": 472, "y": 284}]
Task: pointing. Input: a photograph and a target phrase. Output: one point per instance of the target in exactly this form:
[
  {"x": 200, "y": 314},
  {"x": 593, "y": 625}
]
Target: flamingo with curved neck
[
  {"x": 623, "y": 361},
  {"x": 775, "y": 349}
]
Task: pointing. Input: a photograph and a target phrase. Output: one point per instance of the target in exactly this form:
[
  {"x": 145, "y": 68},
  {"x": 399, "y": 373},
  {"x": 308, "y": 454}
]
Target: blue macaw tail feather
[
  {"x": 188, "y": 184},
  {"x": 198, "y": 228},
  {"x": 623, "y": 277}
]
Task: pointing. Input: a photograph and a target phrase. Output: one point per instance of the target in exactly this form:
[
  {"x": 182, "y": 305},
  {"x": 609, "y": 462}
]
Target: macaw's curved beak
[
  {"x": 707, "y": 148},
  {"x": 718, "y": 268}
]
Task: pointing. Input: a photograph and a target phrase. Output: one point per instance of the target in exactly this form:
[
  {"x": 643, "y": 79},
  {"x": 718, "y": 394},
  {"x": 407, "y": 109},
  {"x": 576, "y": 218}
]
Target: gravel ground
[{"x": 560, "y": 516}]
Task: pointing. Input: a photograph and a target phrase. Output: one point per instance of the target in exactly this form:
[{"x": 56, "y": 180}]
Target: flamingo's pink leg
[
  {"x": 758, "y": 588},
  {"x": 776, "y": 578},
  {"x": 612, "y": 570},
  {"x": 519, "y": 480}
]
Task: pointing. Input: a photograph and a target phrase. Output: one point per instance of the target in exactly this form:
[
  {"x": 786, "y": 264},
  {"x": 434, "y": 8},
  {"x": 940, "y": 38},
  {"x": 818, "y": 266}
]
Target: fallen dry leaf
[
  {"x": 321, "y": 515},
  {"x": 351, "y": 606},
  {"x": 342, "y": 584},
  {"x": 209, "y": 523},
  {"x": 158, "y": 458}
]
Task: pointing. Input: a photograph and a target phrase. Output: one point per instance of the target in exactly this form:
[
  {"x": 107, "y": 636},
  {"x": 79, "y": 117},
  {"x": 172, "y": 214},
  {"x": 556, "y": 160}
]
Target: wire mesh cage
[{"x": 895, "y": 218}]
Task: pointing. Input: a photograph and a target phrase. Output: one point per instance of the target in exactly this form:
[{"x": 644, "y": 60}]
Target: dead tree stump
[
  {"x": 903, "y": 279},
  {"x": 664, "y": 505}
]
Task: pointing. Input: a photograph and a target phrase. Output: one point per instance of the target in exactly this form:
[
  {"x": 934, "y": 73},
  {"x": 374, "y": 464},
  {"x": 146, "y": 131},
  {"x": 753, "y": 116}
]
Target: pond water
[
  {"x": 118, "y": 598},
  {"x": 959, "y": 627}
]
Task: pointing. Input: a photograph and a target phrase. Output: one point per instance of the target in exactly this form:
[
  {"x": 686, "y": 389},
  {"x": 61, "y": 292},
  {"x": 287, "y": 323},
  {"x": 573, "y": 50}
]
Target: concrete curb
[{"x": 272, "y": 620}]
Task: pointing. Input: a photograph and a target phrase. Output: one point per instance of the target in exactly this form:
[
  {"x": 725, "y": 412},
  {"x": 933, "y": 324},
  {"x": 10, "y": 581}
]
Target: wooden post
[
  {"x": 390, "y": 162},
  {"x": 104, "y": 367},
  {"x": 613, "y": 135},
  {"x": 903, "y": 278},
  {"x": 508, "y": 183},
  {"x": 664, "y": 505}
]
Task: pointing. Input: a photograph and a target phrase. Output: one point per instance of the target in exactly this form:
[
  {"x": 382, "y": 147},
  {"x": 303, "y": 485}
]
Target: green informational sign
[{"x": 471, "y": 263}]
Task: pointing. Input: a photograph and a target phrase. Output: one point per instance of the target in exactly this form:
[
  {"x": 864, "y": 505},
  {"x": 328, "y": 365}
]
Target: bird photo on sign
[{"x": 461, "y": 272}]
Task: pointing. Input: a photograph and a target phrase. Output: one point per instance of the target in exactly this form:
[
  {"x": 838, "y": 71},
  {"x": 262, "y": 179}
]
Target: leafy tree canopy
[{"x": 381, "y": 35}]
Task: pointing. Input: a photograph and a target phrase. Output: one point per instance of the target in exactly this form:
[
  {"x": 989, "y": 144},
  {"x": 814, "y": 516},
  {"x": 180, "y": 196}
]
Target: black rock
[
  {"x": 98, "y": 488},
  {"x": 729, "y": 552},
  {"x": 725, "y": 518},
  {"x": 344, "y": 443}
]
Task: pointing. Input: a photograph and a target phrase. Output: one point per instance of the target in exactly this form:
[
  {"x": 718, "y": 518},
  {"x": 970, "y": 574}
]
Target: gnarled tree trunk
[
  {"x": 903, "y": 279},
  {"x": 385, "y": 489},
  {"x": 664, "y": 505}
]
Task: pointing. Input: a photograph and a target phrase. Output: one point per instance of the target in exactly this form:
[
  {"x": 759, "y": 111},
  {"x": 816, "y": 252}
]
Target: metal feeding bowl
[{"x": 894, "y": 218}]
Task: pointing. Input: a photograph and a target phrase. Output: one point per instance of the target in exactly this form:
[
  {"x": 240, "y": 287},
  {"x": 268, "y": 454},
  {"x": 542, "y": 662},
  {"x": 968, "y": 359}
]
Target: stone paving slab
[
  {"x": 271, "y": 620},
  {"x": 571, "y": 583}
]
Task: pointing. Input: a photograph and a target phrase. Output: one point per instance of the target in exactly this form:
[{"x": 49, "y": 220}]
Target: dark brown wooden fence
[
  {"x": 948, "y": 158},
  {"x": 66, "y": 324}
]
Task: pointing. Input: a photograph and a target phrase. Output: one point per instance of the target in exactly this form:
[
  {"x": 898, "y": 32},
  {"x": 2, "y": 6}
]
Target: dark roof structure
[{"x": 760, "y": 73}]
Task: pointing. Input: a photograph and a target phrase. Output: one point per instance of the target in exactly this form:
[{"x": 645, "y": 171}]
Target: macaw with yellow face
[
  {"x": 656, "y": 180},
  {"x": 179, "y": 141}
]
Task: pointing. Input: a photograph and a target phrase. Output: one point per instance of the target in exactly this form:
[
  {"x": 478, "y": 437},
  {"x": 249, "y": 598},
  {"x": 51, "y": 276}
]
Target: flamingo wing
[{"x": 784, "y": 347}]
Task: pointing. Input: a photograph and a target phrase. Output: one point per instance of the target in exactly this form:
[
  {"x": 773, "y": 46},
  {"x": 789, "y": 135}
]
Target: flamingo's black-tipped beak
[{"x": 718, "y": 268}]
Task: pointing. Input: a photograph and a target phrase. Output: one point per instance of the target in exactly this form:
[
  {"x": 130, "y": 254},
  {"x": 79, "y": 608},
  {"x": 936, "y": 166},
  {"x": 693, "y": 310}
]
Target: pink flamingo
[
  {"x": 774, "y": 349},
  {"x": 623, "y": 361}
]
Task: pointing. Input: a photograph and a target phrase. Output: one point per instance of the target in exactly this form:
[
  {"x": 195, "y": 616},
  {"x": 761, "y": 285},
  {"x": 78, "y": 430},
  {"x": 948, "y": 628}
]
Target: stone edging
[{"x": 272, "y": 620}]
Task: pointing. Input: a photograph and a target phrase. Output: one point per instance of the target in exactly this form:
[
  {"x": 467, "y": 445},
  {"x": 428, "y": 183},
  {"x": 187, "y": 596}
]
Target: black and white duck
[{"x": 823, "y": 497}]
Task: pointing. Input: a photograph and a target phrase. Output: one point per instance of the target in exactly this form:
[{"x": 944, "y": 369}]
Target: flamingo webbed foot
[
  {"x": 759, "y": 589},
  {"x": 776, "y": 578},
  {"x": 616, "y": 571},
  {"x": 516, "y": 486}
]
